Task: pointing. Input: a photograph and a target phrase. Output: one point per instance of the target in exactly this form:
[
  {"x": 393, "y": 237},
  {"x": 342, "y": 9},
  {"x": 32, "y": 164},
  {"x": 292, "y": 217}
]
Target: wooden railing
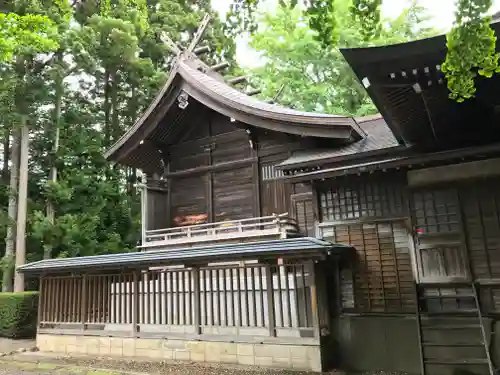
[
  {"x": 255, "y": 300},
  {"x": 277, "y": 225}
]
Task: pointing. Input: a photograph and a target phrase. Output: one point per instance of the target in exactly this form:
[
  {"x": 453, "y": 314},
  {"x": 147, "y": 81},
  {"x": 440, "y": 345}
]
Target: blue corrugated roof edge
[{"x": 132, "y": 259}]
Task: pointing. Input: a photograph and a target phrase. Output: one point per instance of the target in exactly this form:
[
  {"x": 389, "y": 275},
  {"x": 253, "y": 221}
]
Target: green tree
[
  {"x": 100, "y": 73},
  {"x": 27, "y": 31},
  {"x": 471, "y": 42},
  {"x": 315, "y": 78}
]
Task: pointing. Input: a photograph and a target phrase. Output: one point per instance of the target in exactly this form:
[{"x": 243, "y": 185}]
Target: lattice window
[
  {"x": 381, "y": 277},
  {"x": 440, "y": 248},
  {"x": 436, "y": 211},
  {"x": 269, "y": 171},
  {"x": 356, "y": 197}
]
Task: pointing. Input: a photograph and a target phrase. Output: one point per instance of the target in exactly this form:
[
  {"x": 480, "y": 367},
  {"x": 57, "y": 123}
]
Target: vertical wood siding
[
  {"x": 368, "y": 212},
  {"x": 481, "y": 216},
  {"x": 189, "y": 200},
  {"x": 233, "y": 194},
  {"x": 381, "y": 278},
  {"x": 158, "y": 217},
  {"x": 303, "y": 212}
]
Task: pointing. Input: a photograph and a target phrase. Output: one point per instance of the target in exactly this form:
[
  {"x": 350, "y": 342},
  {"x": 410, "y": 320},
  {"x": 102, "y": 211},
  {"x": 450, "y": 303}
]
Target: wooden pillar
[
  {"x": 270, "y": 301},
  {"x": 144, "y": 212},
  {"x": 316, "y": 300},
  {"x": 197, "y": 299},
  {"x": 135, "y": 303},
  {"x": 41, "y": 305},
  {"x": 84, "y": 301},
  {"x": 256, "y": 188}
]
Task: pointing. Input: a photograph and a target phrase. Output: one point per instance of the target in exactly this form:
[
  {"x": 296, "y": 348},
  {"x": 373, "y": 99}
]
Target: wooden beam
[
  {"x": 236, "y": 80},
  {"x": 253, "y": 92},
  {"x": 170, "y": 44},
  {"x": 220, "y": 66},
  {"x": 201, "y": 50},
  {"x": 454, "y": 172},
  {"x": 199, "y": 33}
]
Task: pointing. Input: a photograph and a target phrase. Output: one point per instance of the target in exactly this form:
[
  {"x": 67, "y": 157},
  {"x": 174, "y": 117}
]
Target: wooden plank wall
[
  {"x": 233, "y": 194},
  {"x": 369, "y": 212},
  {"x": 381, "y": 279},
  {"x": 480, "y": 204},
  {"x": 157, "y": 210},
  {"x": 189, "y": 200},
  {"x": 214, "y": 174}
]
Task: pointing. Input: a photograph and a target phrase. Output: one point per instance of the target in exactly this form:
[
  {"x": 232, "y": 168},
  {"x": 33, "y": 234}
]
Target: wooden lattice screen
[
  {"x": 381, "y": 280},
  {"x": 368, "y": 213},
  {"x": 363, "y": 197},
  {"x": 262, "y": 299}
]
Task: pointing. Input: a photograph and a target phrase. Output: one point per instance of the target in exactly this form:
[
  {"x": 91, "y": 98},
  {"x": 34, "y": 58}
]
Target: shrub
[{"x": 18, "y": 314}]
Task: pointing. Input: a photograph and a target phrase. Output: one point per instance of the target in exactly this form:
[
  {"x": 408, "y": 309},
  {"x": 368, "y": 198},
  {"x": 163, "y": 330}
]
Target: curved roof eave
[
  {"x": 228, "y": 101},
  {"x": 226, "y": 95}
]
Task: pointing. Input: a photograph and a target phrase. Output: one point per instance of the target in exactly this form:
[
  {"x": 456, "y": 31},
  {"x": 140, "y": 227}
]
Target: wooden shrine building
[{"x": 274, "y": 237}]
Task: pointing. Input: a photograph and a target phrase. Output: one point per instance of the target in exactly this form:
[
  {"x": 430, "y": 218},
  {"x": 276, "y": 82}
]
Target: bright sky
[{"x": 441, "y": 12}]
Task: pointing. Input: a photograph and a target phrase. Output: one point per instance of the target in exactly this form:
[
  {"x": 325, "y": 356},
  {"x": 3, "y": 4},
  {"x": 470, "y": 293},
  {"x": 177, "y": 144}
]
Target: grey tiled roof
[
  {"x": 378, "y": 137},
  {"x": 172, "y": 256}
]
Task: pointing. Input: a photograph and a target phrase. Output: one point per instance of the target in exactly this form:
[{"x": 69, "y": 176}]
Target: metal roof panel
[
  {"x": 219, "y": 252},
  {"x": 378, "y": 137}
]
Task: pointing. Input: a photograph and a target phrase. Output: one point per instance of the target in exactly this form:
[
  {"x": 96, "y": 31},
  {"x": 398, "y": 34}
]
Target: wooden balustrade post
[
  {"x": 197, "y": 298},
  {"x": 270, "y": 301},
  {"x": 135, "y": 303},
  {"x": 83, "y": 312}
]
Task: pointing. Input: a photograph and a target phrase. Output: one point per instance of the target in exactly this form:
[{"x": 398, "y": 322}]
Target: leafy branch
[
  {"x": 471, "y": 49},
  {"x": 367, "y": 12}
]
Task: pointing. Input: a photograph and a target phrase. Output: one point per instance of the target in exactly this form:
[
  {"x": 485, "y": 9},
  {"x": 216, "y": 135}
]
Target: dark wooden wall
[
  {"x": 443, "y": 232},
  {"x": 215, "y": 174},
  {"x": 369, "y": 212}
]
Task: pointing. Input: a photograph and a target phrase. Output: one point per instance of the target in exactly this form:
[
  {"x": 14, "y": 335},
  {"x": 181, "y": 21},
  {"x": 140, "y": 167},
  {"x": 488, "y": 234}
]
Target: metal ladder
[{"x": 442, "y": 330}]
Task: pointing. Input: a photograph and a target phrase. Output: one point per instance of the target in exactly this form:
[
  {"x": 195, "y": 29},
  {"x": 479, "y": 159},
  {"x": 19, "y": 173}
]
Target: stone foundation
[{"x": 297, "y": 357}]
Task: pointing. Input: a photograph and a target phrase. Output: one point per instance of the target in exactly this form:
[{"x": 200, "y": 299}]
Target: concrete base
[{"x": 297, "y": 357}]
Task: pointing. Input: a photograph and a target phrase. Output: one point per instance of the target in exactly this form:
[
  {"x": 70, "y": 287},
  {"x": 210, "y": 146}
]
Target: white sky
[{"x": 441, "y": 11}]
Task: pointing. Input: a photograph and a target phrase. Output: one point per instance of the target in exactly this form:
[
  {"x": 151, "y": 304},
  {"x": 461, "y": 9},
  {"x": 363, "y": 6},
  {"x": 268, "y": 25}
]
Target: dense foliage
[
  {"x": 318, "y": 79},
  {"x": 471, "y": 49},
  {"x": 18, "y": 315},
  {"x": 78, "y": 74},
  {"x": 471, "y": 42}
]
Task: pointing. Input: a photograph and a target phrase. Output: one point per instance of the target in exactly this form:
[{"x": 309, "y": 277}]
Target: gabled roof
[
  {"x": 378, "y": 139},
  {"x": 138, "y": 148},
  {"x": 225, "y": 252}
]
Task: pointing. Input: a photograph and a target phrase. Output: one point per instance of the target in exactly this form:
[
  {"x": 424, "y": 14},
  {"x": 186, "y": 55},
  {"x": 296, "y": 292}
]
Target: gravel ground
[
  {"x": 30, "y": 364},
  {"x": 173, "y": 368},
  {"x": 22, "y": 365}
]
